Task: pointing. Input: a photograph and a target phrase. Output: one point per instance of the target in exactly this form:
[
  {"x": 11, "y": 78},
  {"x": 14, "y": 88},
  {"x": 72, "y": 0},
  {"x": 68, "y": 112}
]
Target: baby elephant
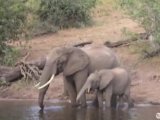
[{"x": 113, "y": 84}]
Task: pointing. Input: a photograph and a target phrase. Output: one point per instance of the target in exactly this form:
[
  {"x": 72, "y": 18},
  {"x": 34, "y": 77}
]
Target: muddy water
[{"x": 28, "y": 110}]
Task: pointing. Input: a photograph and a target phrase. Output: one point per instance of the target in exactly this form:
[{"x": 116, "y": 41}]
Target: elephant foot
[
  {"x": 41, "y": 112},
  {"x": 41, "y": 107},
  {"x": 120, "y": 106},
  {"x": 84, "y": 105},
  {"x": 75, "y": 105},
  {"x": 79, "y": 105},
  {"x": 95, "y": 103},
  {"x": 131, "y": 103}
]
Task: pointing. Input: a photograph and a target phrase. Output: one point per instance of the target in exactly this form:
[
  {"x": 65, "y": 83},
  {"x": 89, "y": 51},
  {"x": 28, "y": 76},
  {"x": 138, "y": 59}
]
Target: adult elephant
[{"x": 76, "y": 64}]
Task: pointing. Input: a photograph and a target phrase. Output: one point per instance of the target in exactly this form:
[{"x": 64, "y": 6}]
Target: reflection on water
[{"x": 28, "y": 110}]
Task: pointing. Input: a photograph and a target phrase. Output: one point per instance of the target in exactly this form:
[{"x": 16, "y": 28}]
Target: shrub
[
  {"x": 66, "y": 13},
  {"x": 27, "y": 18},
  {"x": 12, "y": 17},
  {"x": 147, "y": 12}
]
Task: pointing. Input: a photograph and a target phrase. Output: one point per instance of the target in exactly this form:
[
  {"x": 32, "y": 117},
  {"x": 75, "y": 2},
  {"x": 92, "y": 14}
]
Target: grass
[{"x": 103, "y": 8}]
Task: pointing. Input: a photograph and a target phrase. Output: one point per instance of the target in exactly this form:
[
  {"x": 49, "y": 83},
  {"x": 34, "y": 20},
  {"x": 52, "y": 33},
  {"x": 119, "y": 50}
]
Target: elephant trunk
[
  {"x": 41, "y": 96},
  {"x": 87, "y": 85},
  {"x": 45, "y": 79}
]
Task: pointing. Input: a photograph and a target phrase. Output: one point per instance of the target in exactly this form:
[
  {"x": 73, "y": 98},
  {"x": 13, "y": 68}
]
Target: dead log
[
  {"x": 82, "y": 44},
  {"x": 15, "y": 73},
  {"x": 4, "y": 70},
  {"x": 142, "y": 36}
]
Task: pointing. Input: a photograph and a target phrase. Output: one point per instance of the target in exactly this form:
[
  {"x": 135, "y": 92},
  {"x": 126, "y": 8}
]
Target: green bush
[
  {"x": 28, "y": 18},
  {"x": 12, "y": 18},
  {"x": 147, "y": 12},
  {"x": 66, "y": 13}
]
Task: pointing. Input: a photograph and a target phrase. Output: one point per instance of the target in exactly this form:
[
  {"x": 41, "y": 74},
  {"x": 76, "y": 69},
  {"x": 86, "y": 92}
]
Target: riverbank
[{"x": 109, "y": 25}]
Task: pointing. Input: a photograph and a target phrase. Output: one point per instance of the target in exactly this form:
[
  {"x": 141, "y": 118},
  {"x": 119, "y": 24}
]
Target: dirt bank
[{"x": 109, "y": 26}]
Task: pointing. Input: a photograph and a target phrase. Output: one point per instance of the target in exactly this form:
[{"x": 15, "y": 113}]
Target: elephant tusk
[
  {"x": 88, "y": 90},
  {"x": 37, "y": 84},
  {"x": 78, "y": 97},
  {"x": 47, "y": 83}
]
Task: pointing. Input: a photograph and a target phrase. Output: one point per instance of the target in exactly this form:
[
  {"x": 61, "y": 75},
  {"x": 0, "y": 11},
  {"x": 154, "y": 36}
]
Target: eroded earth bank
[{"x": 110, "y": 25}]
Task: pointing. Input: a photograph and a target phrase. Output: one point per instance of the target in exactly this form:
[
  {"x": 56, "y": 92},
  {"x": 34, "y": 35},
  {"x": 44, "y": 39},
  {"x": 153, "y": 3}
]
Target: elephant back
[{"x": 101, "y": 57}]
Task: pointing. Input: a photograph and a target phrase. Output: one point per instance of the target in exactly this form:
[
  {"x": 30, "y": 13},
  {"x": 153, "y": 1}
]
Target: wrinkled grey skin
[
  {"x": 76, "y": 64},
  {"x": 114, "y": 84}
]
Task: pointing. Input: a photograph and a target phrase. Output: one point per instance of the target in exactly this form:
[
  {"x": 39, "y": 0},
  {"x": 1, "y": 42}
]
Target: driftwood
[
  {"x": 15, "y": 74},
  {"x": 143, "y": 36}
]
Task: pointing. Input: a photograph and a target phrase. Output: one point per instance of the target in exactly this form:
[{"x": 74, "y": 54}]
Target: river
[{"x": 29, "y": 110}]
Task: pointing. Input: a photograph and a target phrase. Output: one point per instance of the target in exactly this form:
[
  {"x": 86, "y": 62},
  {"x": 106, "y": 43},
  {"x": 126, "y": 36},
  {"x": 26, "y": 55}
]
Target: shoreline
[{"x": 57, "y": 100}]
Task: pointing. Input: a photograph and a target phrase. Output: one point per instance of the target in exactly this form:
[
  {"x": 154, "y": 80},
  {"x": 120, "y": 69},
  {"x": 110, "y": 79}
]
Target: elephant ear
[
  {"x": 77, "y": 60},
  {"x": 105, "y": 79}
]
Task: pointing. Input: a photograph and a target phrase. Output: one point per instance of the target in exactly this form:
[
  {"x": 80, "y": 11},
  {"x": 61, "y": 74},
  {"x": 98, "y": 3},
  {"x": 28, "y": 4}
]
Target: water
[{"x": 29, "y": 110}]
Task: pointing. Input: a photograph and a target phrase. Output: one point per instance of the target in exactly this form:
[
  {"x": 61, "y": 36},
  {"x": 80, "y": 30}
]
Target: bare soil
[{"x": 108, "y": 26}]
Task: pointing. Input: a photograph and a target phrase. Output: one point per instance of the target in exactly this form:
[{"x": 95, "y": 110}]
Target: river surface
[{"x": 29, "y": 110}]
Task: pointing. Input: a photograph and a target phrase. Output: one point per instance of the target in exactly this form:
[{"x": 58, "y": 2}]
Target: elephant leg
[
  {"x": 108, "y": 96},
  {"x": 65, "y": 92},
  {"x": 114, "y": 101},
  {"x": 95, "y": 101},
  {"x": 80, "y": 78},
  {"x": 71, "y": 90},
  {"x": 120, "y": 100},
  {"x": 100, "y": 99},
  {"x": 128, "y": 98}
]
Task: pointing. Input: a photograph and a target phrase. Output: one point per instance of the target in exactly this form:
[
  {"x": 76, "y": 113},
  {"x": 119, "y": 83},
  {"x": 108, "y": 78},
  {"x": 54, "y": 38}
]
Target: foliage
[
  {"x": 12, "y": 18},
  {"x": 147, "y": 12},
  {"x": 66, "y": 13},
  {"x": 27, "y": 18}
]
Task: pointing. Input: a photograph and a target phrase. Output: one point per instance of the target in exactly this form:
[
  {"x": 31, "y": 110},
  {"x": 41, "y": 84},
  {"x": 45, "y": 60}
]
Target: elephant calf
[{"x": 113, "y": 84}]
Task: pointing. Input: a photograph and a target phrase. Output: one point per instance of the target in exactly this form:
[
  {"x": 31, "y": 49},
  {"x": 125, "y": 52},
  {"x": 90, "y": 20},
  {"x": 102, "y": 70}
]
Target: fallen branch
[
  {"x": 15, "y": 73},
  {"x": 143, "y": 36},
  {"x": 82, "y": 44},
  {"x": 29, "y": 71}
]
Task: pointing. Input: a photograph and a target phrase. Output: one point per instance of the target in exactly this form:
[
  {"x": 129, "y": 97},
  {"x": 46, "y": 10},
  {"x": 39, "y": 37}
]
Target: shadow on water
[{"x": 27, "y": 110}]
